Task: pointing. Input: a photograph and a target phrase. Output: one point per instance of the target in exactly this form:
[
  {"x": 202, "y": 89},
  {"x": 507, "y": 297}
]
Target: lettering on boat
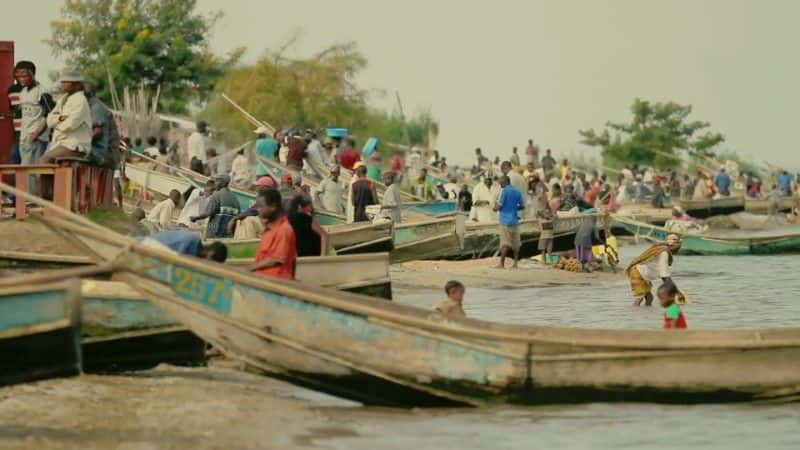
[{"x": 209, "y": 290}]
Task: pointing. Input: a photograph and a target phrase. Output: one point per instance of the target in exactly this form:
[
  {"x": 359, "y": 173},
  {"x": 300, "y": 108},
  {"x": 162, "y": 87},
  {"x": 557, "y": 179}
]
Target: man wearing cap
[
  {"x": 222, "y": 207},
  {"x": 197, "y": 142},
  {"x": 71, "y": 121},
  {"x": 328, "y": 193},
  {"x": 653, "y": 264},
  {"x": 34, "y": 104}
]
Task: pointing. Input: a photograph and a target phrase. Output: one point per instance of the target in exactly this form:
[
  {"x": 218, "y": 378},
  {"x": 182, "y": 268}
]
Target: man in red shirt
[
  {"x": 350, "y": 155},
  {"x": 277, "y": 252}
]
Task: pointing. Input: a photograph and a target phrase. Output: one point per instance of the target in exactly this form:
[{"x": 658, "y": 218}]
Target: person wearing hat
[
  {"x": 653, "y": 264},
  {"x": 34, "y": 104},
  {"x": 71, "y": 120},
  {"x": 222, "y": 207},
  {"x": 197, "y": 142}
]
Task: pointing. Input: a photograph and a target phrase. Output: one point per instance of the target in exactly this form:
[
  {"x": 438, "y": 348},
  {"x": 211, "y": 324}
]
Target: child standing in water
[
  {"x": 452, "y": 307},
  {"x": 673, "y": 316}
]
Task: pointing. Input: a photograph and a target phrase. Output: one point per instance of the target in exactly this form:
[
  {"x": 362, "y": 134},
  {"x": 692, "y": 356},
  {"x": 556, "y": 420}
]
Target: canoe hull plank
[
  {"x": 131, "y": 333},
  {"x": 303, "y": 333},
  {"x": 39, "y": 332}
]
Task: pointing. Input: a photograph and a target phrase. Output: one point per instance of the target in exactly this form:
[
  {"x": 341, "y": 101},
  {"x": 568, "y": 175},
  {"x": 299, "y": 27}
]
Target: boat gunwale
[{"x": 547, "y": 335}]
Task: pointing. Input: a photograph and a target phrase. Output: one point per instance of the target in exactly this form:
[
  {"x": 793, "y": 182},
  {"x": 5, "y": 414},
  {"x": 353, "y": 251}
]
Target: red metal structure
[{"x": 6, "y": 78}]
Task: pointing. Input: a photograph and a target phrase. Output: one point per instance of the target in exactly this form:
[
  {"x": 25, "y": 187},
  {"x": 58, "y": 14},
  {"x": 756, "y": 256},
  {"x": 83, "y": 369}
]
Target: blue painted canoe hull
[
  {"x": 124, "y": 331},
  {"x": 386, "y": 353},
  {"x": 39, "y": 333}
]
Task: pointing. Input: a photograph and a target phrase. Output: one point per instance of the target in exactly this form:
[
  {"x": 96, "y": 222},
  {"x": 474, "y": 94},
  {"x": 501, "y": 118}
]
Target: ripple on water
[{"x": 726, "y": 292}]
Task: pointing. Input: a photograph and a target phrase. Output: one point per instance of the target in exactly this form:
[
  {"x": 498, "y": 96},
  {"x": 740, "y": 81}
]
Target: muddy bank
[
  {"x": 167, "y": 407},
  {"x": 416, "y": 275}
]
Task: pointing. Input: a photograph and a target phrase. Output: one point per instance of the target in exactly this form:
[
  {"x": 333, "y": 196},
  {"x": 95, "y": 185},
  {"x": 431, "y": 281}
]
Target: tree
[
  {"x": 315, "y": 92},
  {"x": 654, "y": 136},
  {"x": 152, "y": 42}
]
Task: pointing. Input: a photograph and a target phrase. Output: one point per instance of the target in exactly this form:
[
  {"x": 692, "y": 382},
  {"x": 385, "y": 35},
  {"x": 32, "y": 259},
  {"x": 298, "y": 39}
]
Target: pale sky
[{"x": 496, "y": 73}]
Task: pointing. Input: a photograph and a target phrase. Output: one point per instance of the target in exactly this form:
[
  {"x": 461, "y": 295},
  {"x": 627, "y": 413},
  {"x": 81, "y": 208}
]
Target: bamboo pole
[{"x": 249, "y": 116}]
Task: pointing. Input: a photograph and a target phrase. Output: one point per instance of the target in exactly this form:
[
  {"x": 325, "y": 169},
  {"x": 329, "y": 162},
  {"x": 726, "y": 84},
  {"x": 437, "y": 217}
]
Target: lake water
[
  {"x": 745, "y": 291},
  {"x": 207, "y": 409}
]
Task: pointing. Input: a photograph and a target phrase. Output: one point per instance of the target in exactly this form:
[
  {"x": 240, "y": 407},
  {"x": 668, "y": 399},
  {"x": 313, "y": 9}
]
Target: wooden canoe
[
  {"x": 123, "y": 331},
  {"x": 762, "y": 205},
  {"x": 482, "y": 240},
  {"x": 40, "y": 331},
  {"x": 366, "y": 273},
  {"x": 435, "y": 209},
  {"x": 738, "y": 242},
  {"x": 703, "y": 209},
  {"x": 163, "y": 183},
  {"x": 391, "y": 354},
  {"x": 346, "y": 239}
]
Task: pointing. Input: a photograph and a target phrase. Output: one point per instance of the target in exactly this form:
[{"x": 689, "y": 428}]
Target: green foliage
[
  {"x": 316, "y": 92},
  {"x": 654, "y": 136},
  {"x": 745, "y": 165},
  {"x": 155, "y": 42}
]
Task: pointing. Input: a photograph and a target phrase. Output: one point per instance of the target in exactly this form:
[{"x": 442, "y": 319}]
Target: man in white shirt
[
  {"x": 161, "y": 214},
  {"x": 328, "y": 193},
  {"x": 71, "y": 120},
  {"x": 516, "y": 178},
  {"x": 484, "y": 198},
  {"x": 35, "y": 104},
  {"x": 196, "y": 143},
  {"x": 391, "y": 201},
  {"x": 241, "y": 172}
]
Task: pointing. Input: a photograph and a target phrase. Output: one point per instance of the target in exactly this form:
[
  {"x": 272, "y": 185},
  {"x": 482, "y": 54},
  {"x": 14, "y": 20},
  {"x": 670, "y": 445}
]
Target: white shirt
[
  {"x": 452, "y": 191},
  {"x": 518, "y": 181},
  {"x": 391, "y": 197},
  {"x": 656, "y": 268},
  {"x": 329, "y": 194},
  {"x": 32, "y": 113},
  {"x": 481, "y": 193},
  {"x": 75, "y": 131},
  {"x": 161, "y": 214},
  {"x": 151, "y": 152},
  {"x": 196, "y": 144},
  {"x": 241, "y": 175},
  {"x": 192, "y": 207}
]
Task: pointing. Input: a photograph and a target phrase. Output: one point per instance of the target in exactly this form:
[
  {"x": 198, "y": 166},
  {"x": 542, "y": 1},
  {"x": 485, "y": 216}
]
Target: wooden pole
[{"x": 249, "y": 116}]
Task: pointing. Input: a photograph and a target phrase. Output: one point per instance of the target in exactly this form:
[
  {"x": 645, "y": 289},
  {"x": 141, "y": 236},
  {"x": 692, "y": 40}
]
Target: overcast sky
[{"x": 496, "y": 73}]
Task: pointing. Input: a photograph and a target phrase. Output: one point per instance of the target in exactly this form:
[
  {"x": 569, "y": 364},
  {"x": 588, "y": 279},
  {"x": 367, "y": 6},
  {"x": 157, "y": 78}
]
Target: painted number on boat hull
[{"x": 208, "y": 290}]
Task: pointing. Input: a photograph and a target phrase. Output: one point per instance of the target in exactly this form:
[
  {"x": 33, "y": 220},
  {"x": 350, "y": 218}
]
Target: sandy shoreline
[
  {"x": 427, "y": 275},
  {"x": 167, "y": 407}
]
